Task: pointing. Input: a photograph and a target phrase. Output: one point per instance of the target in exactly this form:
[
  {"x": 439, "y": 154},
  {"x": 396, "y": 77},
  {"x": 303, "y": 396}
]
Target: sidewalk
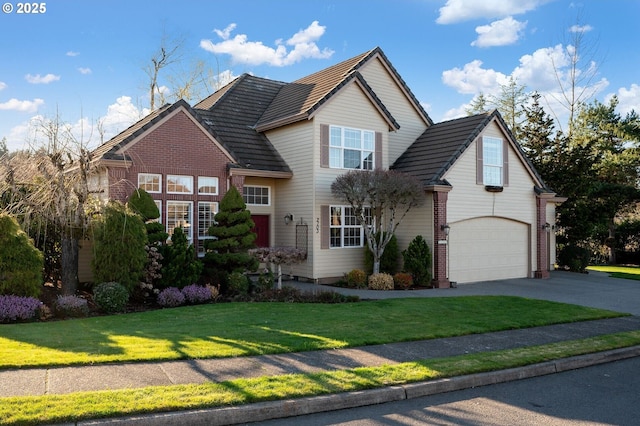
[{"x": 134, "y": 375}]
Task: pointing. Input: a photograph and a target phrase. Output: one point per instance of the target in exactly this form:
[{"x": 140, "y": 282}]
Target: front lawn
[
  {"x": 627, "y": 272},
  {"x": 243, "y": 329}
]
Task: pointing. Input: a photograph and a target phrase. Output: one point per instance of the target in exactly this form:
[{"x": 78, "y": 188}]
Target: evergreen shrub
[
  {"x": 417, "y": 261},
  {"x": 111, "y": 297},
  {"x": 356, "y": 278},
  {"x": 21, "y": 263}
]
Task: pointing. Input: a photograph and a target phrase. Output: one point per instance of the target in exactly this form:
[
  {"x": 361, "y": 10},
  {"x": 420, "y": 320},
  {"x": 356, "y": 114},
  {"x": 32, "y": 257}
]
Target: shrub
[
  {"x": 71, "y": 306},
  {"x": 238, "y": 283},
  {"x": 119, "y": 246},
  {"x": 18, "y": 308},
  {"x": 381, "y": 281},
  {"x": 356, "y": 278},
  {"x": 265, "y": 280},
  {"x": 389, "y": 259},
  {"x": 402, "y": 280},
  {"x": 215, "y": 291},
  {"x": 574, "y": 257},
  {"x": 111, "y": 297},
  {"x": 195, "y": 294},
  {"x": 21, "y": 263},
  {"x": 171, "y": 297},
  {"x": 180, "y": 266},
  {"x": 417, "y": 261},
  {"x": 141, "y": 203}
]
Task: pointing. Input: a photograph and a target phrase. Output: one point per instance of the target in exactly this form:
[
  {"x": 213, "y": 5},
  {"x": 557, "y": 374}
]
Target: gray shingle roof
[{"x": 231, "y": 118}]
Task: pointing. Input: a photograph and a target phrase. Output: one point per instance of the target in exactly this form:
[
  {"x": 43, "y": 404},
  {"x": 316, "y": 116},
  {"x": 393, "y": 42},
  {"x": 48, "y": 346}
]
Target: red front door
[{"x": 261, "y": 229}]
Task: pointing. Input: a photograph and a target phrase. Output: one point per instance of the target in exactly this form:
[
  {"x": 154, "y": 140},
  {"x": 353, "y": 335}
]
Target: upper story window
[
  {"x": 177, "y": 184},
  {"x": 256, "y": 195},
  {"x": 150, "y": 182},
  {"x": 207, "y": 185},
  {"x": 351, "y": 148},
  {"x": 492, "y": 157}
]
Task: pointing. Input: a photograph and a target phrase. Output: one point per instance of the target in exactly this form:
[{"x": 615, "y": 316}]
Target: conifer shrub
[
  {"x": 180, "y": 265},
  {"x": 238, "y": 284},
  {"x": 417, "y": 261},
  {"x": 119, "y": 240},
  {"x": 141, "y": 203},
  {"x": 111, "y": 297},
  {"x": 21, "y": 263}
]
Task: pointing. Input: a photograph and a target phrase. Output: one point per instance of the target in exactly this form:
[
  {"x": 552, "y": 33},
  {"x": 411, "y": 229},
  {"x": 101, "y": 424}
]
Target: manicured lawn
[
  {"x": 242, "y": 329},
  {"x": 90, "y": 405},
  {"x": 628, "y": 272}
]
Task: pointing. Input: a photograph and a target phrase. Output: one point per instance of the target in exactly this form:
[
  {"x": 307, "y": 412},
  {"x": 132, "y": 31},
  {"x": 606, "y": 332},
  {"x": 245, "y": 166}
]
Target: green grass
[
  {"x": 627, "y": 272},
  {"x": 243, "y": 329},
  {"x": 90, "y": 405}
]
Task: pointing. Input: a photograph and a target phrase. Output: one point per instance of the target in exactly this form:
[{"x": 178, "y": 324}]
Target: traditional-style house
[{"x": 487, "y": 214}]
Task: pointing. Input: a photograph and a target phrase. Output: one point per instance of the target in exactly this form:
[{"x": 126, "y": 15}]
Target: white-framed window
[
  {"x": 206, "y": 213},
  {"x": 345, "y": 231},
  {"x": 177, "y": 184},
  {"x": 351, "y": 148},
  {"x": 256, "y": 195},
  {"x": 492, "y": 161},
  {"x": 207, "y": 185},
  {"x": 180, "y": 214},
  {"x": 150, "y": 182}
]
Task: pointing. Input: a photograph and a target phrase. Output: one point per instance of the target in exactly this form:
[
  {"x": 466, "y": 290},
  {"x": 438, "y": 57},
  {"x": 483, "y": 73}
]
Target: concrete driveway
[{"x": 595, "y": 289}]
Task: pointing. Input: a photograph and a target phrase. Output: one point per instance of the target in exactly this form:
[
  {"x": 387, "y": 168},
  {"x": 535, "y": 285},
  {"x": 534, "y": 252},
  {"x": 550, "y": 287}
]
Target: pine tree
[
  {"x": 180, "y": 266},
  {"x": 228, "y": 251}
]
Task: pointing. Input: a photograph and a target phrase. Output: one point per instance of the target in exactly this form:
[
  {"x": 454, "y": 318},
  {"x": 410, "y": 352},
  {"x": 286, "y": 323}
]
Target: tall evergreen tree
[
  {"x": 228, "y": 251},
  {"x": 510, "y": 102}
]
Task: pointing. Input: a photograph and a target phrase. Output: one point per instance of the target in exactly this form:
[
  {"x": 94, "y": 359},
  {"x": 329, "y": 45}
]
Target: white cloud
[
  {"x": 473, "y": 79},
  {"x": 499, "y": 33},
  {"x": 72, "y": 53},
  {"x": 84, "y": 71},
  {"x": 465, "y": 10},
  {"x": 120, "y": 115},
  {"x": 629, "y": 99},
  {"x": 21, "y": 106},
  {"x": 303, "y": 46},
  {"x": 3, "y": 85},
  {"x": 39, "y": 79},
  {"x": 580, "y": 28}
]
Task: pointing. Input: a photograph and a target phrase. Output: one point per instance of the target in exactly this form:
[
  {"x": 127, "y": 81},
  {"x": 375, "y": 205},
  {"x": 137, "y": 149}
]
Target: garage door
[{"x": 489, "y": 248}]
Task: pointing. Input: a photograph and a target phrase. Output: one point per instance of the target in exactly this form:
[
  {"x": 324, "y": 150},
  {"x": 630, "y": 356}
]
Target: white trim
[
  {"x": 217, "y": 185},
  {"x": 257, "y": 186},
  {"x": 178, "y": 178},
  {"x": 188, "y": 222},
  {"x": 157, "y": 175}
]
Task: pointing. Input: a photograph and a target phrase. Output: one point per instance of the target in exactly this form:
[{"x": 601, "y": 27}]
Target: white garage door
[{"x": 488, "y": 248}]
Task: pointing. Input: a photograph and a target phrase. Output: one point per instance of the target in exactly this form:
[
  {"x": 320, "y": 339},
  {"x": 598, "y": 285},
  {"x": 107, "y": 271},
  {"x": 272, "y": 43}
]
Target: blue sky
[{"x": 84, "y": 60}]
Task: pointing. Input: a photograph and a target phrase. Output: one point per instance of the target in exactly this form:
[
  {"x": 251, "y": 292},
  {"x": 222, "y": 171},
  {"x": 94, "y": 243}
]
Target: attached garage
[{"x": 488, "y": 248}]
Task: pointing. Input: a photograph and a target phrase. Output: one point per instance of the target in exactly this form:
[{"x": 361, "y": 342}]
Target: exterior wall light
[
  {"x": 288, "y": 218},
  {"x": 546, "y": 227},
  {"x": 445, "y": 228}
]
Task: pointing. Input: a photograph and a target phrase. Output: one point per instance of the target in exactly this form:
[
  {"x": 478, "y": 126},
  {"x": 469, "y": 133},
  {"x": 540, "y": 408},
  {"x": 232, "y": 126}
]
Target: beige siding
[
  {"x": 411, "y": 124},
  {"x": 419, "y": 221},
  {"x": 468, "y": 199}
]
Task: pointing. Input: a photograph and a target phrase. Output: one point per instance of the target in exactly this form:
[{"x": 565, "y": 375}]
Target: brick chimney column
[
  {"x": 440, "y": 240},
  {"x": 542, "y": 238}
]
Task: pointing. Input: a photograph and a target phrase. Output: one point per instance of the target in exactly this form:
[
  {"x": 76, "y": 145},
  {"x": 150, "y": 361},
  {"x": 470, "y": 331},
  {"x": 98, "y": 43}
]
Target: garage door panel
[{"x": 489, "y": 248}]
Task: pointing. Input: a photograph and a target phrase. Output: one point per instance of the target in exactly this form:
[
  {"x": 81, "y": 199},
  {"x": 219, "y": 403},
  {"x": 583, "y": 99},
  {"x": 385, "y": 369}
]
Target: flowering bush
[
  {"x": 18, "y": 308},
  {"x": 195, "y": 294},
  {"x": 71, "y": 306},
  {"x": 171, "y": 297},
  {"x": 215, "y": 291},
  {"x": 402, "y": 280},
  {"x": 381, "y": 281},
  {"x": 111, "y": 297},
  {"x": 356, "y": 278}
]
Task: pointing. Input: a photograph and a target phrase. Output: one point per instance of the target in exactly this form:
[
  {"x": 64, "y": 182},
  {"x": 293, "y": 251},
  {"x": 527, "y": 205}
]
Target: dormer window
[{"x": 492, "y": 163}]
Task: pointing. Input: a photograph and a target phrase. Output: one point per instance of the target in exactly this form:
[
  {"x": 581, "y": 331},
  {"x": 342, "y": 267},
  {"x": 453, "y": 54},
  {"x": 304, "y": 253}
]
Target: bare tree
[
  {"x": 50, "y": 185},
  {"x": 380, "y": 200},
  {"x": 578, "y": 84},
  {"x": 169, "y": 52}
]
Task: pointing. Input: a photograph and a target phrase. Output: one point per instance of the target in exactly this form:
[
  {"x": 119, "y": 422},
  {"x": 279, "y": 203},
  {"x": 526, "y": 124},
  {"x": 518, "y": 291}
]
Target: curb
[{"x": 298, "y": 407}]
